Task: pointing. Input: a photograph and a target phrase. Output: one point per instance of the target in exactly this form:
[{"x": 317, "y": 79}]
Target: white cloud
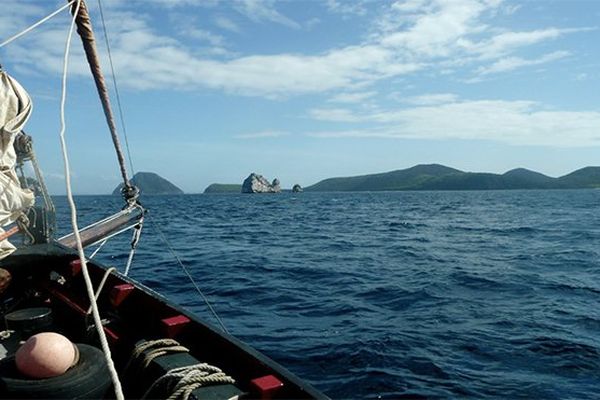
[
  {"x": 512, "y": 122},
  {"x": 411, "y": 5},
  {"x": 262, "y": 135},
  {"x": 176, "y": 3},
  {"x": 264, "y": 10},
  {"x": 430, "y": 99},
  {"x": 435, "y": 32},
  {"x": 510, "y": 9},
  {"x": 354, "y": 7},
  {"x": 352, "y": 97},
  {"x": 511, "y": 63},
  {"x": 145, "y": 60},
  {"x": 227, "y": 24},
  {"x": 506, "y": 42},
  {"x": 206, "y": 36},
  {"x": 335, "y": 115},
  {"x": 418, "y": 36},
  {"x": 18, "y": 18}
]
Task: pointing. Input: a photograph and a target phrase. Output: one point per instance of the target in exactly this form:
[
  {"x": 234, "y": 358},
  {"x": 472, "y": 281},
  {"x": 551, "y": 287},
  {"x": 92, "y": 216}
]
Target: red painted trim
[
  {"x": 266, "y": 386},
  {"x": 112, "y": 336},
  {"x": 120, "y": 292},
  {"x": 75, "y": 267},
  {"x": 68, "y": 301},
  {"x": 174, "y": 325}
]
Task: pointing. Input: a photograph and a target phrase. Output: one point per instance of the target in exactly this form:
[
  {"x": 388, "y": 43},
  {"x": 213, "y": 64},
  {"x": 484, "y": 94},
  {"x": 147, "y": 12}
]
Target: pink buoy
[{"x": 45, "y": 355}]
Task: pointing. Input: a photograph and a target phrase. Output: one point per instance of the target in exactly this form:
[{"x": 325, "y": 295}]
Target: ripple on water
[{"x": 391, "y": 295}]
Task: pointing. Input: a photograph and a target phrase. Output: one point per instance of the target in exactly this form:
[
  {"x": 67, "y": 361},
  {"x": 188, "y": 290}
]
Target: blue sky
[{"x": 305, "y": 90}]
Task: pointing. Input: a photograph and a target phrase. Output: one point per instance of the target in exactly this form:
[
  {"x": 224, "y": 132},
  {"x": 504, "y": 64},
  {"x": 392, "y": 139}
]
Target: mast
[{"x": 85, "y": 31}]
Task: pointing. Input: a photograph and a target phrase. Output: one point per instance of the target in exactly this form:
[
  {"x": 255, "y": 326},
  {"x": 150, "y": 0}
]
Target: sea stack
[
  {"x": 296, "y": 188},
  {"x": 259, "y": 184}
]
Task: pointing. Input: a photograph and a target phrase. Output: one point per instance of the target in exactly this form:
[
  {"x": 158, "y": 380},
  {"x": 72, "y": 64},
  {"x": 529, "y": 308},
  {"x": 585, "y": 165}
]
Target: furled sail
[{"x": 15, "y": 108}]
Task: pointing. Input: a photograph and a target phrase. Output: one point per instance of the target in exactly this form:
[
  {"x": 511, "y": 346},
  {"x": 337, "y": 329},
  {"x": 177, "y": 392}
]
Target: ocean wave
[{"x": 390, "y": 295}]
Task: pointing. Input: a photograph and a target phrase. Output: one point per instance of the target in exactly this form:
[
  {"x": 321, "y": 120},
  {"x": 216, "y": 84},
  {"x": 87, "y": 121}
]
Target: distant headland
[
  {"x": 223, "y": 188},
  {"x": 440, "y": 177},
  {"x": 151, "y": 183}
]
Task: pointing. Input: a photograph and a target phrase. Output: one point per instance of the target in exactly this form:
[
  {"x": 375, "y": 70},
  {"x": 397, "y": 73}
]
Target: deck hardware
[
  {"x": 75, "y": 267},
  {"x": 174, "y": 325},
  {"x": 119, "y": 293},
  {"x": 266, "y": 386}
]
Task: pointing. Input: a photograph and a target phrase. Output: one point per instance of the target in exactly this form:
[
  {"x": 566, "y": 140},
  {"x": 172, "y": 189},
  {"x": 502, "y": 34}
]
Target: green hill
[
  {"x": 223, "y": 188},
  {"x": 521, "y": 178},
  {"x": 588, "y": 177},
  {"x": 439, "y": 177},
  {"x": 404, "y": 179},
  {"x": 151, "y": 183}
]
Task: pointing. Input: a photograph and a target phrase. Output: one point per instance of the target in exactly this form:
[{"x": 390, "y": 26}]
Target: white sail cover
[{"x": 15, "y": 108}]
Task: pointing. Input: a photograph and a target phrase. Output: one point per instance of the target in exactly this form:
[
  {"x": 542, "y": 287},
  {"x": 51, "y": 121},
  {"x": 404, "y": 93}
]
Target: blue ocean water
[{"x": 492, "y": 294}]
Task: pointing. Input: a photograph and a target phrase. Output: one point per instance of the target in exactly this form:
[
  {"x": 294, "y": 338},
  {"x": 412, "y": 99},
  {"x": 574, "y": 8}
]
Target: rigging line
[
  {"x": 114, "y": 79},
  {"x": 98, "y": 249},
  {"x": 40, "y": 22},
  {"x": 185, "y": 270},
  {"x": 84, "y": 269}
]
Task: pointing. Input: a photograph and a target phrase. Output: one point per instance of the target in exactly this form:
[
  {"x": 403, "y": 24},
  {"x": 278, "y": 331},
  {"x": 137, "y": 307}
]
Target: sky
[{"x": 303, "y": 90}]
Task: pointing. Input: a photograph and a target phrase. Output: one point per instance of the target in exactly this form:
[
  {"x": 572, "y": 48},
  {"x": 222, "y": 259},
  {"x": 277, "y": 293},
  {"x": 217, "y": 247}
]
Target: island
[
  {"x": 440, "y": 177},
  {"x": 256, "y": 183},
  {"x": 223, "y": 188},
  {"x": 150, "y": 183}
]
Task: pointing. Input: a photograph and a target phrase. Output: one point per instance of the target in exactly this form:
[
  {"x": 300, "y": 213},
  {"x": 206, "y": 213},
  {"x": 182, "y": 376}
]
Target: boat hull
[{"x": 133, "y": 313}]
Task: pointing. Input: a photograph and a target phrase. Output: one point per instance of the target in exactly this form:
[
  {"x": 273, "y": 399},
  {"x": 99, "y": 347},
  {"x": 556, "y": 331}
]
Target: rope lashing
[
  {"x": 23, "y": 224},
  {"x": 181, "y": 382},
  {"x": 155, "y": 348}
]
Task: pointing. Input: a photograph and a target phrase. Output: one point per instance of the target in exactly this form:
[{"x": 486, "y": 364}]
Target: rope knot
[{"x": 130, "y": 193}]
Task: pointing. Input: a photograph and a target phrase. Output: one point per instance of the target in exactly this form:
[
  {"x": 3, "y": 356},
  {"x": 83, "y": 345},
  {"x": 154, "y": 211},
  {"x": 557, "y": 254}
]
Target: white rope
[
  {"x": 97, "y": 249},
  {"x": 137, "y": 233},
  {"x": 86, "y": 275},
  {"x": 101, "y": 286},
  {"x": 180, "y": 382},
  {"x": 32, "y": 27},
  {"x": 136, "y": 360},
  {"x": 129, "y": 259},
  {"x": 189, "y": 378}
]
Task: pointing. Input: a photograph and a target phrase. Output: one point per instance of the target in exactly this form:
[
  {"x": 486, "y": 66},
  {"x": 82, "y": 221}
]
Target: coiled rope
[
  {"x": 153, "y": 349},
  {"x": 86, "y": 275},
  {"x": 178, "y": 382},
  {"x": 181, "y": 382}
]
